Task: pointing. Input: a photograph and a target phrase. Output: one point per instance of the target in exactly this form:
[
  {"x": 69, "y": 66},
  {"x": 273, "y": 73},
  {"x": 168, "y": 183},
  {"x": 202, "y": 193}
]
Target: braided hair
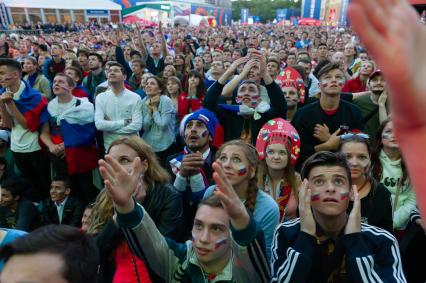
[{"x": 253, "y": 158}]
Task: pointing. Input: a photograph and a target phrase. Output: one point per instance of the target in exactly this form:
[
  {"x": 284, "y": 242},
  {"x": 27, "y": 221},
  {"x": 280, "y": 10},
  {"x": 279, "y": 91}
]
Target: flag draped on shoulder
[
  {"x": 75, "y": 127},
  {"x": 32, "y": 105}
]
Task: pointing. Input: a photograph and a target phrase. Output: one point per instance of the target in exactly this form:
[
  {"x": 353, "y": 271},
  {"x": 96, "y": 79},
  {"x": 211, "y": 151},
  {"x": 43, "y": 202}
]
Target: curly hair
[{"x": 252, "y": 156}]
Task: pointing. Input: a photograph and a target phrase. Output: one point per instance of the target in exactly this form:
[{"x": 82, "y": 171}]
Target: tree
[{"x": 263, "y": 8}]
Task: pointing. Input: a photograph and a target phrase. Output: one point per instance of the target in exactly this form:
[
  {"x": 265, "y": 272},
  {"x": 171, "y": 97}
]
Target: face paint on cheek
[
  {"x": 385, "y": 136},
  {"x": 220, "y": 243},
  {"x": 315, "y": 197},
  {"x": 239, "y": 99},
  {"x": 204, "y": 133},
  {"x": 324, "y": 84},
  {"x": 242, "y": 171},
  {"x": 344, "y": 195}
]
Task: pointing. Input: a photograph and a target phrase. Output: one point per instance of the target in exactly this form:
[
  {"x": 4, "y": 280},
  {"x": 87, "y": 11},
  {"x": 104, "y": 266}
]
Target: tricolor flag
[
  {"x": 75, "y": 127},
  {"x": 32, "y": 105}
]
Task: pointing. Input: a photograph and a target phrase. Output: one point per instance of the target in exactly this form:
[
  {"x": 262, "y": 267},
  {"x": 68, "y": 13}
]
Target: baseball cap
[{"x": 375, "y": 73}]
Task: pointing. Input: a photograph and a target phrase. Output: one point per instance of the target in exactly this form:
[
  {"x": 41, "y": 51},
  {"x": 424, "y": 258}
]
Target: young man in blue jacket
[
  {"x": 226, "y": 245},
  {"x": 326, "y": 245}
]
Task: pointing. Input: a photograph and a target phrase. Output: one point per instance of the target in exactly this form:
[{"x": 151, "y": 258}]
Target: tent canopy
[
  {"x": 132, "y": 19},
  {"x": 69, "y": 5}
]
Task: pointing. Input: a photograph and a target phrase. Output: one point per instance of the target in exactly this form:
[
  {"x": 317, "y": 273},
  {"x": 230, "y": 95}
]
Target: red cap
[
  {"x": 291, "y": 77},
  {"x": 375, "y": 73}
]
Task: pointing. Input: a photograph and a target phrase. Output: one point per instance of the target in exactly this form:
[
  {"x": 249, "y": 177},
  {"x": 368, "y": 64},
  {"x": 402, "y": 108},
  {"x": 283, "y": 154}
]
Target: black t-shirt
[
  {"x": 305, "y": 119},
  {"x": 376, "y": 208}
]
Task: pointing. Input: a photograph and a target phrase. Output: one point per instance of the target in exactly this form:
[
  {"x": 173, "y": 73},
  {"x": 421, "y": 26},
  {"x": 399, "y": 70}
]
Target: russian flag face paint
[
  {"x": 204, "y": 134},
  {"x": 323, "y": 84},
  {"x": 242, "y": 171},
  {"x": 220, "y": 243},
  {"x": 344, "y": 195},
  {"x": 315, "y": 197}
]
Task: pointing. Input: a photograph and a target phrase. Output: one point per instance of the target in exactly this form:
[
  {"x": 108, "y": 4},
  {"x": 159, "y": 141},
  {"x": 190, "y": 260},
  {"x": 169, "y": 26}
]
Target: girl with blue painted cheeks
[{"x": 239, "y": 161}]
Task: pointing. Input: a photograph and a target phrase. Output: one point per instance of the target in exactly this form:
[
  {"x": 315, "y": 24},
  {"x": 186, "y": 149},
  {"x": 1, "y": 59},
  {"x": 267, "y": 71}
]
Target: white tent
[{"x": 69, "y": 5}]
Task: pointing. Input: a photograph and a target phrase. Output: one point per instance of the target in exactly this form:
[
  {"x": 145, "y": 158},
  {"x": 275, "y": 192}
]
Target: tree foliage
[{"x": 263, "y": 8}]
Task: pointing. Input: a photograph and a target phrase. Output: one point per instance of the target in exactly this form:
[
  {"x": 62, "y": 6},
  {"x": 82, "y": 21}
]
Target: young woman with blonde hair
[
  {"x": 154, "y": 193},
  {"x": 278, "y": 145}
]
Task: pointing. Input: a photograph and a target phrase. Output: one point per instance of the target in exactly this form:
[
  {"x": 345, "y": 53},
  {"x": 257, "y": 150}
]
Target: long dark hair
[
  {"x": 201, "y": 89},
  {"x": 358, "y": 139},
  {"x": 377, "y": 168}
]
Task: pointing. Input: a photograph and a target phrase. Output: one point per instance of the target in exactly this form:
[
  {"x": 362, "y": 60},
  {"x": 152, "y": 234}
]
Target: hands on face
[
  {"x": 307, "y": 222},
  {"x": 229, "y": 198},
  {"x": 119, "y": 183}
]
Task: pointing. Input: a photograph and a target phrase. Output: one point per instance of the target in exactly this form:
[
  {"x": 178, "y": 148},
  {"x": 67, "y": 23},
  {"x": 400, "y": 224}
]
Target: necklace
[{"x": 363, "y": 185}]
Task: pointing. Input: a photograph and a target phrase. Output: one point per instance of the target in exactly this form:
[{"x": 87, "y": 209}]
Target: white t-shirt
[
  {"x": 22, "y": 140},
  {"x": 112, "y": 111}
]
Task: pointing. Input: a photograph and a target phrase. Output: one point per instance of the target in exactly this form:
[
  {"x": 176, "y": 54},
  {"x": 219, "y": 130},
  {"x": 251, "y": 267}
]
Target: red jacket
[{"x": 186, "y": 105}]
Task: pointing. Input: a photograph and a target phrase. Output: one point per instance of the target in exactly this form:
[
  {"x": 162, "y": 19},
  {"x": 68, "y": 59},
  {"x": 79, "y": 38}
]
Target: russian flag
[
  {"x": 81, "y": 92},
  {"x": 77, "y": 130},
  {"x": 33, "y": 106}
]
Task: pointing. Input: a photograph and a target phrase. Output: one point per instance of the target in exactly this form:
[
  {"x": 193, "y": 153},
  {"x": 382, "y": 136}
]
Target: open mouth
[
  {"x": 193, "y": 138},
  {"x": 330, "y": 200},
  {"x": 202, "y": 251}
]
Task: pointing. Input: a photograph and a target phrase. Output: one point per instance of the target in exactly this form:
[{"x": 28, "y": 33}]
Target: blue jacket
[{"x": 369, "y": 256}]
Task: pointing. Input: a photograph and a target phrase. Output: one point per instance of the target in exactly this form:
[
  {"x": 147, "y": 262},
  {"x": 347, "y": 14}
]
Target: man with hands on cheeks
[
  {"x": 226, "y": 244},
  {"x": 325, "y": 244}
]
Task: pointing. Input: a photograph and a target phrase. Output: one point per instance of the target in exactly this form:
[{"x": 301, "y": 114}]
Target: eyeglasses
[{"x": 352, "y": 135}]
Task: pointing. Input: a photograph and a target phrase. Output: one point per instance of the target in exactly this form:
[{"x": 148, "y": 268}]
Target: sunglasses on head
[{"x": 351, "y": 135}]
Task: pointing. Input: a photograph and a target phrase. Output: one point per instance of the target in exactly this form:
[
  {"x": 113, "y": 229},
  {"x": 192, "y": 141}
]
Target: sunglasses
[{"x": 351, "y": 135}]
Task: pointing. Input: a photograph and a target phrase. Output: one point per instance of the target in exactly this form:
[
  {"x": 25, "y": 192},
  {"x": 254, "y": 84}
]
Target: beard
[{"x": 196, "y": 147}]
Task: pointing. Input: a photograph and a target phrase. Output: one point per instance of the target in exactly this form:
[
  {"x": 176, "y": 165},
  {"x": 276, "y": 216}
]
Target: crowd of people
[{"x": 186, "y": 154}]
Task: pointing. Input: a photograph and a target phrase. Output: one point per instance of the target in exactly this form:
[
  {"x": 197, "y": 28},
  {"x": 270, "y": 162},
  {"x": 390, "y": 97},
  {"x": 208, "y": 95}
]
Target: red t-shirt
[
  {"x": 354, "y": 85},
  {"x": 188, "y": 105},
  {"x": 125, "y": 269}
]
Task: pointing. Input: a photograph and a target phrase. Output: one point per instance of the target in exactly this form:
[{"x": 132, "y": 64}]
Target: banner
[
  {"x": 244, "y": 15},
  {"x": 181, "y": 9},
  {"x": 281, "y": 14}
]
